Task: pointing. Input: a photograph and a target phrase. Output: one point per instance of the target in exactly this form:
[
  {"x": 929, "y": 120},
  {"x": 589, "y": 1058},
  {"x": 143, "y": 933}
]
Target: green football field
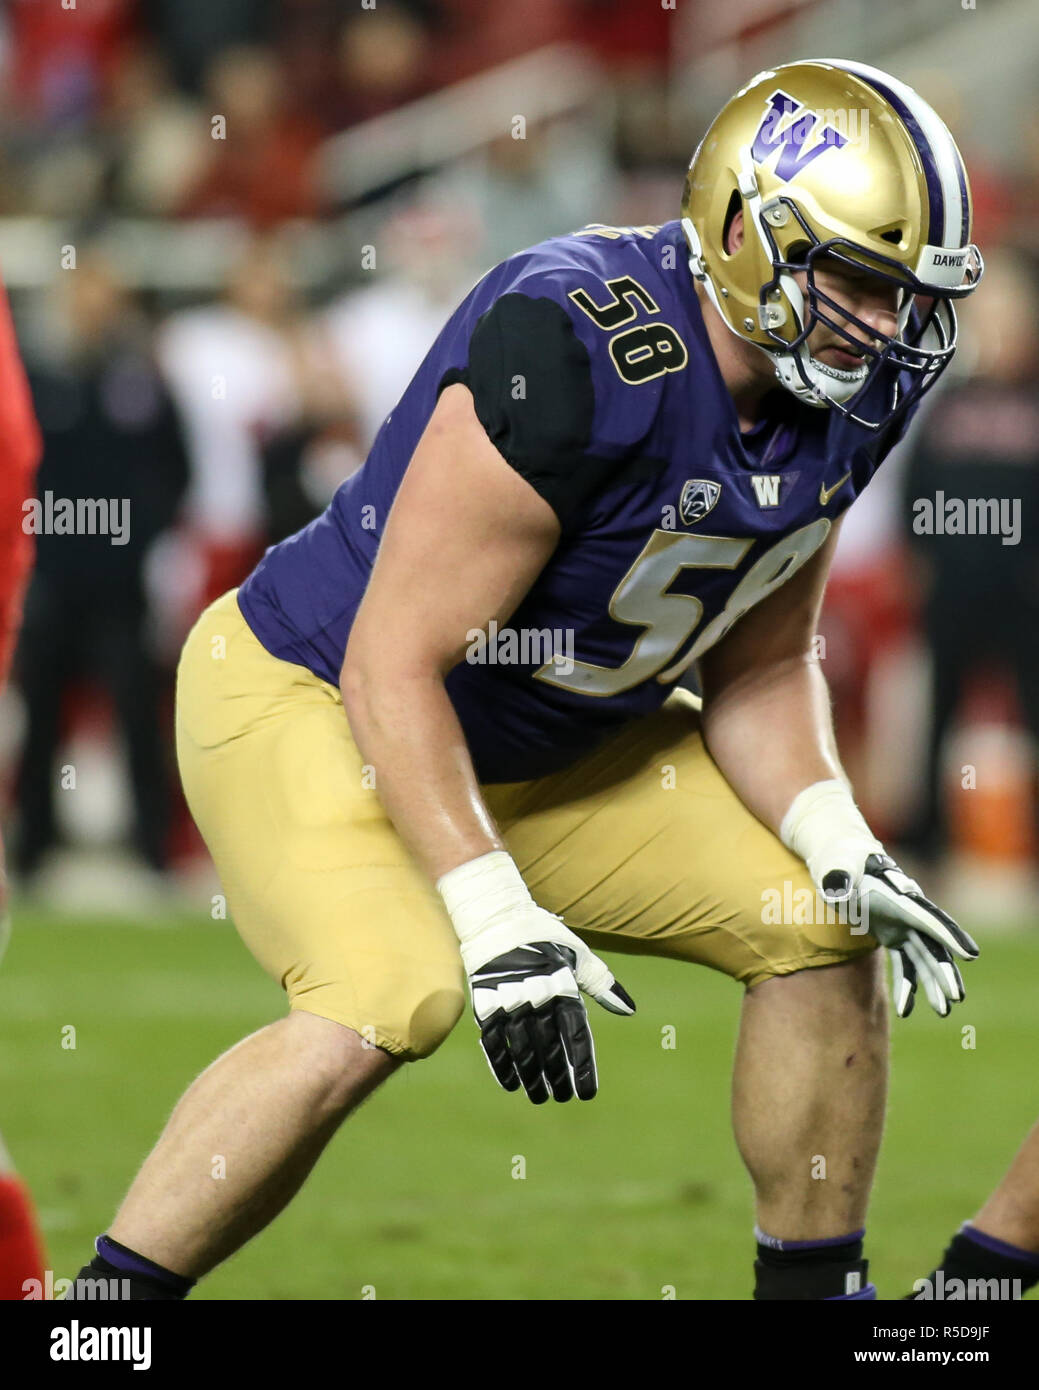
[{"x": 640, "y": 1191}]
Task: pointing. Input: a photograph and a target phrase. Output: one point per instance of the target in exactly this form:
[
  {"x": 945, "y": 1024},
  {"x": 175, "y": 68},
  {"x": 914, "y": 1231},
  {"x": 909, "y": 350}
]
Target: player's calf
[
  {"x": 267, "y": 1107},
  {"x": 808, "y": 1105}
]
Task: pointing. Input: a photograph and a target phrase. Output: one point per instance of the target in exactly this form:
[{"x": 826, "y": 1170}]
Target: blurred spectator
[
  {"x": 304, "y": 465},
  {"x": 360, "y": 354},
  {"x": 114, "y": 465},
  {"x": 381, "y": 58},
  {"x": 553, "y": 181},
  {"x": 257, "y": 165},
  {"x": 379, "y": 335},
  {"x": 980, "y": 592},
  {"x": 63, "y": 58},
  {"x": 64, "y": 178},
  {"x": 191, "y": 32},
  {"x": 634, "y": 42},
  {"x": 233, "y": 368},
  {"x": 306, "y": 35},
  {"x": 156, "y": 138}
]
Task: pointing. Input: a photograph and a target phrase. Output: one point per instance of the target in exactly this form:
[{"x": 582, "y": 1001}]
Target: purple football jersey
[{"x": 591, "y": 371}]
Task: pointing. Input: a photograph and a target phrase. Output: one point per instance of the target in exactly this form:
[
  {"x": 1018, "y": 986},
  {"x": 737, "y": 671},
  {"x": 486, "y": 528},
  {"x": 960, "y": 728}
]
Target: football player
[
  {"x": 436, "y": 739},
  {"x": 21, "y": 1255}
]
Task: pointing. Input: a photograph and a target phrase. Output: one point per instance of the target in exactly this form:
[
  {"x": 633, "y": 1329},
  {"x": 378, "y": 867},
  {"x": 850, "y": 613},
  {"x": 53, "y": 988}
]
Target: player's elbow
[
  {"x": 361, "y": 680},
  {"x": 369, "y": 680}
]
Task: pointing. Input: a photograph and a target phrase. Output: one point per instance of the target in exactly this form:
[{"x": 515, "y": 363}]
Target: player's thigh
[
  {"x": 644, "y": 847},
  {"x": 318, "y": 882}
]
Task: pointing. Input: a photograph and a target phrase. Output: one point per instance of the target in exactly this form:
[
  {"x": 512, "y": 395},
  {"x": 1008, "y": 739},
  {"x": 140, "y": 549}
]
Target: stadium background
[{"x": 229, "y": 234}]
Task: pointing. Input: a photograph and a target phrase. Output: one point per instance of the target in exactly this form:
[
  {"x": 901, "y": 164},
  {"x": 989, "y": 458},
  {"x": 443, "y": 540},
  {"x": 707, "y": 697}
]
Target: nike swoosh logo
[{"x": 825, "y": 493}]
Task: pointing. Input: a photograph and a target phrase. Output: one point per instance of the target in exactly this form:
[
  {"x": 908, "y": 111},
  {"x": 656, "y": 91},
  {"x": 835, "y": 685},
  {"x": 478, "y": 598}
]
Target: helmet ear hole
[{"x": 735, "y": 206}]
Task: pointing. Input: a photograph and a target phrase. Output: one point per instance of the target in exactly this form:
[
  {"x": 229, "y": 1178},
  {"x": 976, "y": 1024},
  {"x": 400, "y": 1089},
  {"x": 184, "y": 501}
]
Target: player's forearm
[
  {"x": 406, "y": 729},
  {"x": 771, "y": 735}
]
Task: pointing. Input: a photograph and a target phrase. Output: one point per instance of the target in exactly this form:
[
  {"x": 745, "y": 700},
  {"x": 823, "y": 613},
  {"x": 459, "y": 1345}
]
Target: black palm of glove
[{"x": 533, "y": 1026}]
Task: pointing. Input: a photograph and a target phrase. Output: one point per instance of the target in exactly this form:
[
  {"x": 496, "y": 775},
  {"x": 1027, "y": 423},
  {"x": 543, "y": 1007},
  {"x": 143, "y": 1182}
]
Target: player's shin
[{"x": 808, "y": 1104}]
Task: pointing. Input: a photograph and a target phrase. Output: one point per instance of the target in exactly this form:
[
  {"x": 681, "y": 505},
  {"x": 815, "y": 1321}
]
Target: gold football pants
[{"x": 641, "y": 846}]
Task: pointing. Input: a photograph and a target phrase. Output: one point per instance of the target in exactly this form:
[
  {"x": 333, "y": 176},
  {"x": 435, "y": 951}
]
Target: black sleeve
[{"x": 531, "y": 380}]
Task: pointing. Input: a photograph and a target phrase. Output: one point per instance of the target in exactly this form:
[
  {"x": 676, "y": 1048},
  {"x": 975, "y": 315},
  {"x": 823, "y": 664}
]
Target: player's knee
[
  {"x": 863, "y": 983},
  {"x": 850, "y": 1001},
  {"x": 857, "y": 1001},
  {"x": 407, "y": 1015},
  {"x": 338, "y": 1062},
  {"x": 850, "y": 996}
]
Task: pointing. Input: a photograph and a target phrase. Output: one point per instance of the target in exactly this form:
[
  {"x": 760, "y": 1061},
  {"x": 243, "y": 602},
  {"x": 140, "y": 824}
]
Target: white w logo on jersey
[{"x": 766, "y": 488}]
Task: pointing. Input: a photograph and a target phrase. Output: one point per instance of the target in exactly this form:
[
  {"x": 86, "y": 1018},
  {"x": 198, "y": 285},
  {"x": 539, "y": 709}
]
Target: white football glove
[
  {"x": 846, "y": 861},
  {"x": 526, "y": 972}
]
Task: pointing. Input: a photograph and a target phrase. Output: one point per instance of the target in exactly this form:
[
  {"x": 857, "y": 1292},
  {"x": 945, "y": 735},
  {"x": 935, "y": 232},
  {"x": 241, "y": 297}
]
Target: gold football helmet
[{"x": 827, "y": 158}]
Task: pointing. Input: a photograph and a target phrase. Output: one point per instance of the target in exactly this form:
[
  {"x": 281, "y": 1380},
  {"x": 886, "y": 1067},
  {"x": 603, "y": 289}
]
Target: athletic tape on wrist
[
  {"x": 482, "y": 891},
  {"x": 825, "y": 828}
]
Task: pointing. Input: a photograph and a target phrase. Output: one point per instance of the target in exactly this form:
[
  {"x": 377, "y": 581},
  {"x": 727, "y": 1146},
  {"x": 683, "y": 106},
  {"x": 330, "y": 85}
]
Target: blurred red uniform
[
  {"x": 19, "y": 455},
  {"x": 21, "y": 1254}
]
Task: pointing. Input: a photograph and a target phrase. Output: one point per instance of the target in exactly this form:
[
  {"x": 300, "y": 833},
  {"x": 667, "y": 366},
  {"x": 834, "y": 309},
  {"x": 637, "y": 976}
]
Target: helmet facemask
[{"x": 908, "y": 362}]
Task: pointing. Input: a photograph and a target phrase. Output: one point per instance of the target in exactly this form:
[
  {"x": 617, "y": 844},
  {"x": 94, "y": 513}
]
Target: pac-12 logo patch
[{"x": 698, "y": 497}]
